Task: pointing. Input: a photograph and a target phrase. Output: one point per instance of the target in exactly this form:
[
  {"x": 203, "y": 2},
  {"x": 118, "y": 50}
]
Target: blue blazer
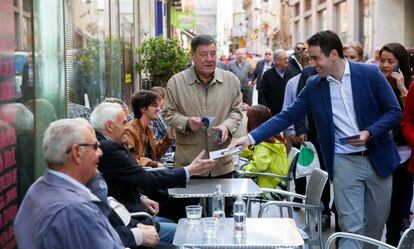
[{"x": 376, "y": 108}]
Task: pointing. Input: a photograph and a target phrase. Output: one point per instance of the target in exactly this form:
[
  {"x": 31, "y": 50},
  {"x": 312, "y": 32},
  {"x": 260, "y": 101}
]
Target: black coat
[
  {"x": 124, "y": 176},
  {"x": 258, "y": 73},
  {"x": 272, "y": 90}
]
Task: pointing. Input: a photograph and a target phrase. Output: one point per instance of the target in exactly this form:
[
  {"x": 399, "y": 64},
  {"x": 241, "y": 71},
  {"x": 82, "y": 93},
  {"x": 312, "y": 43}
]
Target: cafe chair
[
  {"x": 312, "y": 206},
  {"x": 286, "y": 181},
  {"x": 143, "y": 215},
  {"x": 406, "y": 241}
]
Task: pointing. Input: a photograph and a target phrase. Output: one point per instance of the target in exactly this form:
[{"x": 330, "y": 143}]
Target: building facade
[
  {"x": 371, "y": 22},
  {"x": 56, "y": 55}
]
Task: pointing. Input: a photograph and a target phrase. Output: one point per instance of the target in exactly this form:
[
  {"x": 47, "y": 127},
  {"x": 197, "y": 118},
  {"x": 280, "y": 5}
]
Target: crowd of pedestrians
[{"x": 323, "y": 92}]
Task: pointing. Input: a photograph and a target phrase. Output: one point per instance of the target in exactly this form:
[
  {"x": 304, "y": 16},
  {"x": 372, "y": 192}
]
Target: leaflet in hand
[
  {"x": 224, "y": 152},
  {"x": 208, "y": 121}
]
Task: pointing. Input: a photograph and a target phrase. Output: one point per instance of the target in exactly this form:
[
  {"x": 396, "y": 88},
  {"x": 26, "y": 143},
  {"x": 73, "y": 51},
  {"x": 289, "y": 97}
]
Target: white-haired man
[
  {"x": 123, "y": 174},
  {"x": 61, "y": 210},
  {"x": 273, "y": 85}
]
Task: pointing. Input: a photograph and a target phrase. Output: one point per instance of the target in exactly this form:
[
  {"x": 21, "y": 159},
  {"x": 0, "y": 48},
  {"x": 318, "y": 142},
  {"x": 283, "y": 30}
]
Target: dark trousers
[
  {"x": 402, "y": 182},
  {"x": 247, "y": 95}
]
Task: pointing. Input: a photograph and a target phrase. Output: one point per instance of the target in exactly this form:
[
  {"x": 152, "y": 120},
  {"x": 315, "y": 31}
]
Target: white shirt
[
  {"x": 125, "y": 216},
  {"x": 344, "y": 117},
  {"x": 267, "y": 66}
]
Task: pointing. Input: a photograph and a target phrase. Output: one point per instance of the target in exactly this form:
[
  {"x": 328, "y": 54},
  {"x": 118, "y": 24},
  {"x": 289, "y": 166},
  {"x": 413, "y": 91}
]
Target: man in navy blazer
[{"x": 347, "y": 99}]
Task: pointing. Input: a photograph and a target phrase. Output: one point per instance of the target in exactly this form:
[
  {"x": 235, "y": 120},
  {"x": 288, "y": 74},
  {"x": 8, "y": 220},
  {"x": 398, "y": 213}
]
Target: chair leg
[
  {"x": 320, "y": 234},
  {"x": 249, "y": 207}
]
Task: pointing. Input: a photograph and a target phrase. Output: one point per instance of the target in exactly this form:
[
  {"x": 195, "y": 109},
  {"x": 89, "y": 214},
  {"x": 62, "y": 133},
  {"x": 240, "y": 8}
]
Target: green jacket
[{"x": 267, "y": 158}]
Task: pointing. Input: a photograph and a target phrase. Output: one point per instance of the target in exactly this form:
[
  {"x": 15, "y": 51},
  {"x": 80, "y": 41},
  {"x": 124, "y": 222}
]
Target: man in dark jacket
[
  {"x": 125, "y": 176},
  {"x": 297, "y": 61},
  {"x": 272, "y": 88}
]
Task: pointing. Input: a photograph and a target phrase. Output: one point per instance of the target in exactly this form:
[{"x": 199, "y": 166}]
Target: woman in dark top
[{"x": 395, "y": 67}]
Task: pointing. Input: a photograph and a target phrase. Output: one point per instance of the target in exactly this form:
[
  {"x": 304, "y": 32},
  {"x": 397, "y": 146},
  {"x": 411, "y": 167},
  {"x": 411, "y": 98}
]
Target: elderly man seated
[
  {"x": 123, "y": 174},
  {"x": 60, "y": 210}
]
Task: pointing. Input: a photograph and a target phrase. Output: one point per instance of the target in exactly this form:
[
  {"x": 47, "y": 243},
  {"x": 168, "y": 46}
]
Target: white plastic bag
[{"x": 307, "y": 160}]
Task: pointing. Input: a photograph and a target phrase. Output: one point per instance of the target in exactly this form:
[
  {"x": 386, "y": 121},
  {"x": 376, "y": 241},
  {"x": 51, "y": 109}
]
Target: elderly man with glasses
[
  {"x": 297, "y": 61},
  {"x": 61, "y": 209}
]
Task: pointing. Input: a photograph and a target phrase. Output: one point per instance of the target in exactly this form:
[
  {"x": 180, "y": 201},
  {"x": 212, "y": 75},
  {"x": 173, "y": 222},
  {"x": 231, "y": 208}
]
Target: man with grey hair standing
[
  {"x": 273, "y": 85},
  {"x": 242, "y": 69},
  {"x": 61, "y": 209}
]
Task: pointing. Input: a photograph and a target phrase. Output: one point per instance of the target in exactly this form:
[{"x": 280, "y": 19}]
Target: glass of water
[
  {"x": 210, "y": 228},
  {"x": 193, "y": 213}
]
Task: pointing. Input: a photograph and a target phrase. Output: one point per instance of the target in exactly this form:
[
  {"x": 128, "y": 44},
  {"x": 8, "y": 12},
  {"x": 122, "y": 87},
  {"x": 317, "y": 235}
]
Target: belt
[{"x": 359, "y": 153}]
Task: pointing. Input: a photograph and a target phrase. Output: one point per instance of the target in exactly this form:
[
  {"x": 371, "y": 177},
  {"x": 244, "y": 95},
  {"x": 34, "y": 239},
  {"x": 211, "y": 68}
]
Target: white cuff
[
  {"x": 252, "y": 141},
  {"x": 187, "y": 174},
  {"x": 139, "y": 239}
]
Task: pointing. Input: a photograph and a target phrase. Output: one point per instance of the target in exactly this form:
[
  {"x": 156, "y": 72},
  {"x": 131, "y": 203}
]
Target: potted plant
[{"x": 161, "y": 58}]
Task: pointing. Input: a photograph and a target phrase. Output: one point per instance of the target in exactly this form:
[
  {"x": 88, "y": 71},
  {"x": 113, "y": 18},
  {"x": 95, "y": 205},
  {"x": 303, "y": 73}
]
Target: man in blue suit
[{"x": 347, "y": 99}]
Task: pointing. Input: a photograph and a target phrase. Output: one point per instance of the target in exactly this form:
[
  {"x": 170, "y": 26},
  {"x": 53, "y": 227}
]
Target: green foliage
[
  {"x": 109, "y": 50},
  {"x": 161, "y": 58}
]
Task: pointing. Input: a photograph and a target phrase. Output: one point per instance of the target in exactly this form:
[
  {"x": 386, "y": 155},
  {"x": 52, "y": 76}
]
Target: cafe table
[
  {"x": 230, "y": 187},
  {"x": 260, "y": 233}
]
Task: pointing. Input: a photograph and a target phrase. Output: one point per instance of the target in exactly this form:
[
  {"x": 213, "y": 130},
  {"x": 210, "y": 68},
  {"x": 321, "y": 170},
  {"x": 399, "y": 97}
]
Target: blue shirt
[
  {"x": 290, "y": 96},
  {"x": 59, "y": 212}
]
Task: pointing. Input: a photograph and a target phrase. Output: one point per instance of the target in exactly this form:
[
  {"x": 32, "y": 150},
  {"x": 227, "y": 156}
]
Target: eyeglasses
[
  {"x": 300, "y": 49},
  {"x": 95, "y": 146},
  {"x": 268, "y": 53}
]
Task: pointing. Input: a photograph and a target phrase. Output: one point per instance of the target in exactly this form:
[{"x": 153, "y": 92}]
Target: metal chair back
[
  {"x": 314, "y": 190},
  {"x": 407, "y": 239}
]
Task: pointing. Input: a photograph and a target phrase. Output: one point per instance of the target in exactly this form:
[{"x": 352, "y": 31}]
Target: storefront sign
[{"x": 183, "y": 20}]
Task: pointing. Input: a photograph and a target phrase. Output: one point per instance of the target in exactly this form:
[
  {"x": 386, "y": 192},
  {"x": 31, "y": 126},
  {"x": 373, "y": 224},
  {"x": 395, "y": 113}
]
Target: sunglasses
[
  {"x": 301, "y": 49},
  {"x": 95, "y": 146},
  {"x": 268, "y": 53}
]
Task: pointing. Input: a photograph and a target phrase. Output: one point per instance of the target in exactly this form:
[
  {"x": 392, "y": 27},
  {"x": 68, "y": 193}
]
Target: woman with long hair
[
  {"x": 269, "y": 156},
  {"x": 395, "y": 67}
]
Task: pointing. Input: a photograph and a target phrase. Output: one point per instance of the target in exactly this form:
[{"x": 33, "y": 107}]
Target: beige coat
[{"x": 188, "y": 97}]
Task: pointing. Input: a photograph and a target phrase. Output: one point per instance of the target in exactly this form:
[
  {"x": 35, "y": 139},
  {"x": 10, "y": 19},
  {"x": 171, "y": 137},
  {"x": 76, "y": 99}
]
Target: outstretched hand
[
  {"x": 242, "y": 141},
  {"x": 199, "y": 166}
]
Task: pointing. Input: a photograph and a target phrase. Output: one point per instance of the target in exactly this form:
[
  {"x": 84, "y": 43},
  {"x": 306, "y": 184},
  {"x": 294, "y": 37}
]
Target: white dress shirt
[{"x": 344, "y": 117}]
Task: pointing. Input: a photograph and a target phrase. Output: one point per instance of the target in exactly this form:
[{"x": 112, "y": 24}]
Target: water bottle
[
  {"x": 239, "y": 212},
  {"x": 218, "y": 205}
]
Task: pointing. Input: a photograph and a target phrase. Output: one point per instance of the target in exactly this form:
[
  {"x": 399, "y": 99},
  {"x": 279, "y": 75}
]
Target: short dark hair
[
  {"x": 142, "y": 99},
  {"x": 327, "y": 40},
  {"x": 402, "y": 56},
  {"x": 201, "y": 40}
]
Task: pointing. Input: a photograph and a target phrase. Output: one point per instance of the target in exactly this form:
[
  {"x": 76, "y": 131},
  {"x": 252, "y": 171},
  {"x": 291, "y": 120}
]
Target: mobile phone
[
  {"x": 344, "y": 140},
  {"x": 397, "y": 69}
]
